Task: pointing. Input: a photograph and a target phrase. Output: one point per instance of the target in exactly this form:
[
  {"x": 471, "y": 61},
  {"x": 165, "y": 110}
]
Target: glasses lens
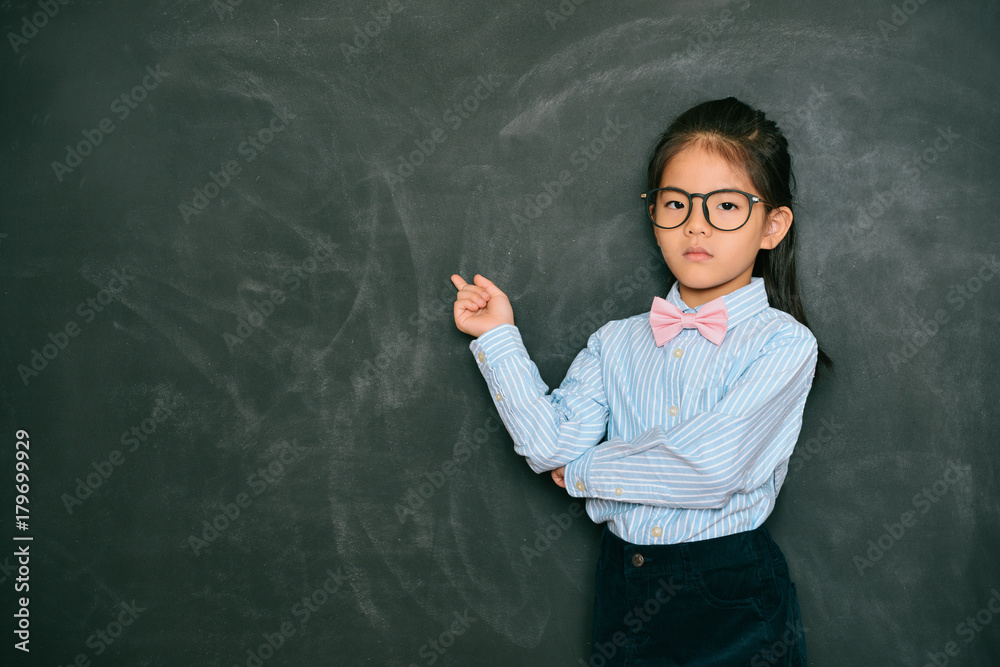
[
  {"x": 668, "y": 208},
  {"x": 728, "y": 209}
]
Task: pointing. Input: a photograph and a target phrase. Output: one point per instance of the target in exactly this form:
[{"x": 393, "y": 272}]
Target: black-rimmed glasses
[{"x": 726, "y": 210}]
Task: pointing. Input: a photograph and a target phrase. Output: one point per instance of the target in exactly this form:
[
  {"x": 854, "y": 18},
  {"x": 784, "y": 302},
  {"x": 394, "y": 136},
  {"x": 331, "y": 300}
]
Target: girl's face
[{"x": 709, "y": 263}]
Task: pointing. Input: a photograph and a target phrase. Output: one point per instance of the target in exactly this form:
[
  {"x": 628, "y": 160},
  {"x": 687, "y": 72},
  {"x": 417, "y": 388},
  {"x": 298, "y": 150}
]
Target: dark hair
[{"x": 750, "y": 142}]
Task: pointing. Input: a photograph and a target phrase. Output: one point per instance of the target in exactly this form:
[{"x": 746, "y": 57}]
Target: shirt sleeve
[
  {"x": 549, "y": 430},
  {"x": 732, "y": 448}
]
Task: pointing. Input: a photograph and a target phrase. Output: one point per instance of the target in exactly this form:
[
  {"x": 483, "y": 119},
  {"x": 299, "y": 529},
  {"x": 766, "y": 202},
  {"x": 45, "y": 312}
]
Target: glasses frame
[{"x": 648, "y": 197}]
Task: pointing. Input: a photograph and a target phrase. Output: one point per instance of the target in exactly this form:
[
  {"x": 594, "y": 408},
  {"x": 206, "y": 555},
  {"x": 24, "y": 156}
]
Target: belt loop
[{"x": 687, "y": 569}]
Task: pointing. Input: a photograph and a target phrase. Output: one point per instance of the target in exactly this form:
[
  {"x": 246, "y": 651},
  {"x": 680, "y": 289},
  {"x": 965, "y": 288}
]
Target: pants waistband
[{"x": 736, "y": 549}]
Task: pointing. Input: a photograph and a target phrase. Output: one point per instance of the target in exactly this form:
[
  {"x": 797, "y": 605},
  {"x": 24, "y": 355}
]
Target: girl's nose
[{"x": 696, "y": 222}]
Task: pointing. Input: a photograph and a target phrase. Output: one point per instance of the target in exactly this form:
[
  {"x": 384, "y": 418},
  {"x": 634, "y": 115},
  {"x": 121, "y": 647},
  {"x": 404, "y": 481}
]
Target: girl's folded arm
[
  {"x": 549, "y": 430},
  {"x": 701, "y": 462}
]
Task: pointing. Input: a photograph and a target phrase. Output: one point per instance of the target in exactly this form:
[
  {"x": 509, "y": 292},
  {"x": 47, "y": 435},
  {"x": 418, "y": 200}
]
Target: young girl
[{"x": 701, "y": 400}]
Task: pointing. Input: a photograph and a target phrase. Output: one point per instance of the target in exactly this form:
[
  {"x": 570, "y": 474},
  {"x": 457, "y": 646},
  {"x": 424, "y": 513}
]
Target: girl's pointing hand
[{"x": 480, "y": 306}]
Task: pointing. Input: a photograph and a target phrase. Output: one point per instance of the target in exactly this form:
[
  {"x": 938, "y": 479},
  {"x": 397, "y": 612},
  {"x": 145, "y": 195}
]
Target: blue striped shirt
[{"x": 698, "y": 435}]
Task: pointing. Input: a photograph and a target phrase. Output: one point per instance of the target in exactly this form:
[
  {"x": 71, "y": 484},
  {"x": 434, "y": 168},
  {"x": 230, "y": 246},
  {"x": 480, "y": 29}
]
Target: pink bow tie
[{"x": 667, "y": 320}]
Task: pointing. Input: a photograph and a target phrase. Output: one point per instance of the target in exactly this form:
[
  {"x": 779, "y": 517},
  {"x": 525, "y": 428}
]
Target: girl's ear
[{"x": 779, "y": 221}]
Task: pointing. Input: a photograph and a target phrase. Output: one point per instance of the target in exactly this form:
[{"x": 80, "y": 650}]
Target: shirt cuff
[
  {"x": 496, "y": 344},
  {"x": 577, "y": 475},
  {"x": 495, "y": 347}
]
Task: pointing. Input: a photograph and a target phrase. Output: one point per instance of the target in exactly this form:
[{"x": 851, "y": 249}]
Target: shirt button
[
  {"x": 657, "y": 531},
  {"x": 579, "y": 486},
  {"x": 672, "y": 410},
  {"x": 638, "y": 560},
  {"x": 677, "y": 353},
  {"x": 499, "y": 396},
  {"x": 618, "y": 491},
  {"x": 482, "y": 357}
]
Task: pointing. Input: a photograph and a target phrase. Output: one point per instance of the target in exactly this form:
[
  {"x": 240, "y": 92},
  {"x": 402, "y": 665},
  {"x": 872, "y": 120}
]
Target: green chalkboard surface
[{"x": 247, "y": 430}]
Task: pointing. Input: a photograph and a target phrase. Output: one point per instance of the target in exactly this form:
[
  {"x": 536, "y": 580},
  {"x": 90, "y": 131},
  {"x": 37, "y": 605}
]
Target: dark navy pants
[{"x": 724, "y": 602}]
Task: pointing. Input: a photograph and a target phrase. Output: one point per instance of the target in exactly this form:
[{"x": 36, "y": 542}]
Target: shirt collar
[{"x": 741, "y": 304}]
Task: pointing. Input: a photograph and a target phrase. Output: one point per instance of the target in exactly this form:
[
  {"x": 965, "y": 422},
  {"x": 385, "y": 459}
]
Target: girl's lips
[{"x": 697, "y": 256}]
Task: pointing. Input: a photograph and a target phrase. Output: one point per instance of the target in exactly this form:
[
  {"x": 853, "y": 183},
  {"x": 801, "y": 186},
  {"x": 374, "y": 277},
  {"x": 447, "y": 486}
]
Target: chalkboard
[{"x": 251, "y": 433}]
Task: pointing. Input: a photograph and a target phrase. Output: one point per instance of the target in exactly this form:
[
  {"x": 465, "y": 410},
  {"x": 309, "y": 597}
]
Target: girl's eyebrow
[{"x": 728, "y": 187}]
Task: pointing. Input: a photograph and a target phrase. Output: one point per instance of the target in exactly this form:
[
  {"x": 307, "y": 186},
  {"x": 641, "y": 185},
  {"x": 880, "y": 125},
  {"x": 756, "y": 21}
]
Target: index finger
[{"x": 457, "y": 281}]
